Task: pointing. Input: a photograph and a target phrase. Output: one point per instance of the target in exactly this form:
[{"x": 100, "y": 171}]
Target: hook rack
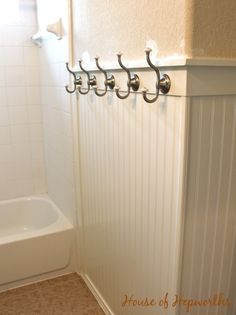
[
  {"x": 77, "y": 81},
  {"x": 92, "y": 81},
  {"x": 133, "y": 82},
  {"x": 163, "y": 82},
  {"x": 109, "y": 81}
]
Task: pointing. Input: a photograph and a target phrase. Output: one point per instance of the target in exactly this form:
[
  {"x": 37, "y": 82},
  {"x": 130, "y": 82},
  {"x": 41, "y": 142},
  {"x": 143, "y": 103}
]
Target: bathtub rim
[{"x": 61, "y": 224}]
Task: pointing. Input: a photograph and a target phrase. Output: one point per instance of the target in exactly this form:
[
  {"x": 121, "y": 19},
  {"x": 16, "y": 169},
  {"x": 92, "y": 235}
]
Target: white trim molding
[{"x": 103, "y": 304}]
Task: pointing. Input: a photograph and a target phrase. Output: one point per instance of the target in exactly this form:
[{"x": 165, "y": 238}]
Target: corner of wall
[{"x": 189, "y": 27}]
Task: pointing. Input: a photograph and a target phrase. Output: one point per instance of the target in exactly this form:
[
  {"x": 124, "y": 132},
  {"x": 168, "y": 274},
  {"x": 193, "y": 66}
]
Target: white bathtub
[{"x": 35, "y": 238}]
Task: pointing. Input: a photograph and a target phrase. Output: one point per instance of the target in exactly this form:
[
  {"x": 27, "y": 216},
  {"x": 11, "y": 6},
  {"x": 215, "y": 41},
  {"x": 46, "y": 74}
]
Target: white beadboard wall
[
  {"x": 22, "y": 165},
  {"x": 57, "y": 109},
  {"x": 209, "y": 260},
  {"x": 131, "y": 159}
]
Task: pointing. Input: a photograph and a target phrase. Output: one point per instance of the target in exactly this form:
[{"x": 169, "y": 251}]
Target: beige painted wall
[
  {"x": 104, "y": 27},
  {"x": 195, "y": 28},
  {"x": 210, "y": 28}
]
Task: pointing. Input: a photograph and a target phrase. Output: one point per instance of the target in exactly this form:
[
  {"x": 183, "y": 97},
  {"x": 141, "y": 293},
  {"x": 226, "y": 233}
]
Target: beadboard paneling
[
  {"x": 131, "y": 158},
  {"x": 209, "y": 261}
]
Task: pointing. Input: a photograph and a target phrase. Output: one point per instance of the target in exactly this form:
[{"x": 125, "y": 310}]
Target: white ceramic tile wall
[
  {"x": 22, "y": 166},
  {"x": 131, "y": 157},
  {"x": 57, "y": 115},
  {"x": 209, "y": 261}
]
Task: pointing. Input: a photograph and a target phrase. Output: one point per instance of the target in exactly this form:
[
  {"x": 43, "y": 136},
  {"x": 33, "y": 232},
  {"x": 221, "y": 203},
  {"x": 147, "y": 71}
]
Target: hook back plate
[
  {"x": 165, "y": 84},
  {"x": 134, "y": 82}
]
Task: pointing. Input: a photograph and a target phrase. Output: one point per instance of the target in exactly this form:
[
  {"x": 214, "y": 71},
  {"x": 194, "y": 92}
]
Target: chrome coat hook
[
  {"x": 77, "y": 81},
  {"x": 133, "y": 82},
  {"x": 91, "y": 80},
  {"x": 109, "y": 81},
  {"x": 163, "y": 83}
]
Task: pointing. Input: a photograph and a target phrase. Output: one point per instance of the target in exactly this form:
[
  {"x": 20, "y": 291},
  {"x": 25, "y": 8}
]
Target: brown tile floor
[{"x": 66, "y": 295}]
